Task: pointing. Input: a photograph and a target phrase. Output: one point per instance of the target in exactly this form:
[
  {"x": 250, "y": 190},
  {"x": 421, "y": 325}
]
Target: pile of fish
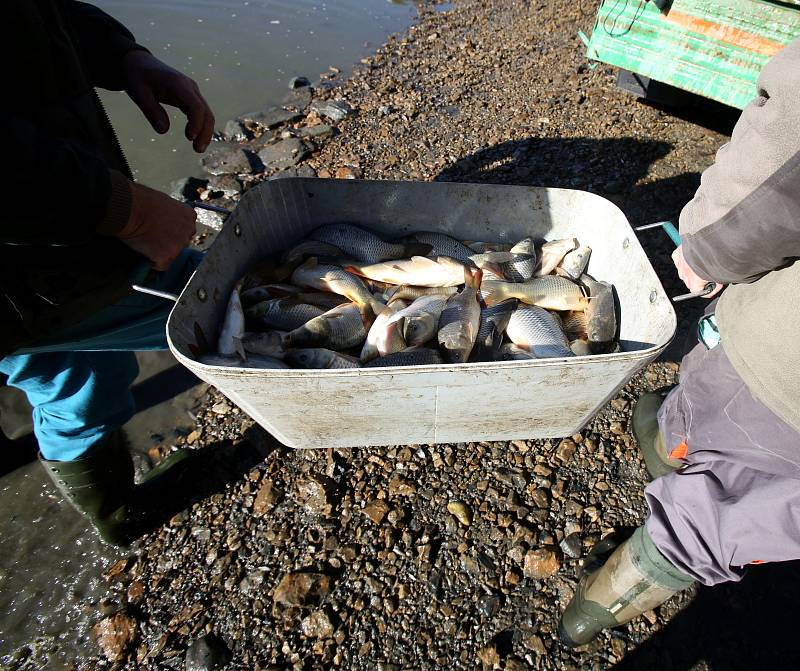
[{"x": 346, "y": 298}]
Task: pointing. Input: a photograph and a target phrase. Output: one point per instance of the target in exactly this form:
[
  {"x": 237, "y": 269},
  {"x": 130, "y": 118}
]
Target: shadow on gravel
[
  {"x": 611, "y": 168},
  {"x": 209, "y": 471},
  {"x": 736, "y": 626}
]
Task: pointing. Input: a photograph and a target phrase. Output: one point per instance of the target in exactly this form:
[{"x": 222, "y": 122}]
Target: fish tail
[{"x": 417, "y": 249}]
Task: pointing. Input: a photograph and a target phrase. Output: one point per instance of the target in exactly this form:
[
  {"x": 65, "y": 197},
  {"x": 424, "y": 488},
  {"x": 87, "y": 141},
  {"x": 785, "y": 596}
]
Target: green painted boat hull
[{"x": 715, "y": 48}]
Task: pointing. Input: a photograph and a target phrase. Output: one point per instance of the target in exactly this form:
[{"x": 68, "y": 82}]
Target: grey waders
[
  {"x": 648, "y": 435},
  {"x": 100, "y": 485},
  {"x": 634, "y": 579}
]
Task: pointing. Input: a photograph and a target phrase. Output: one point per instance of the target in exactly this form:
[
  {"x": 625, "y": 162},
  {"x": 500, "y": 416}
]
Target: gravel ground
[{"x": 441, "y": 556}]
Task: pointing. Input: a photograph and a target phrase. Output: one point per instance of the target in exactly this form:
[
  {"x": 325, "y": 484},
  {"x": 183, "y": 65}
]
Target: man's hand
[
  {"x": 159, "y": 227},
  {"x": 690, "y": 278},
  {"x": 151, "y": 82}
]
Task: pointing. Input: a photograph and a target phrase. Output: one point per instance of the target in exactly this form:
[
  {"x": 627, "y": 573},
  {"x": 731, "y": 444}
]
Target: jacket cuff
[{"x": 120, "y": 202}]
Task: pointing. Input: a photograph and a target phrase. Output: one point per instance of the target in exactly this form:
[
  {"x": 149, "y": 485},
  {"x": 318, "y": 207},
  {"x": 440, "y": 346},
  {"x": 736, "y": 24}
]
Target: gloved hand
[
  {"x": 690, "y": 278},
  {"x": 151, "y": 82},
  {"x": 159, "y": 227}
]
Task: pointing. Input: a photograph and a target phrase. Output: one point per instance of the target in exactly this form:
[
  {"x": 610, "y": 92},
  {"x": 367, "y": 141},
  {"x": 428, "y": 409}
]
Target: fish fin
[
  {"x": 239, "y": 346},
  {"x": 418, "y": 249},
  {"x": 473, "y": 277},
  {"x": 353, "y": 270},
  {"x": 376, "y": 306},
  {"x": 492, "y": 293}
]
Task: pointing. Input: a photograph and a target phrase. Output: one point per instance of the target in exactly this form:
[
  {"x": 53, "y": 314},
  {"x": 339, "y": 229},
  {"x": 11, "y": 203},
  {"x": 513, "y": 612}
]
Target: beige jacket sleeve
[{"x": 744, "y": 220}]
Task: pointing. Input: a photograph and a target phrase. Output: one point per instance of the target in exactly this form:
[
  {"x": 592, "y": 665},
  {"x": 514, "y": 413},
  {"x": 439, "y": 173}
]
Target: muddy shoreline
[{"x": 350, "y": 558}]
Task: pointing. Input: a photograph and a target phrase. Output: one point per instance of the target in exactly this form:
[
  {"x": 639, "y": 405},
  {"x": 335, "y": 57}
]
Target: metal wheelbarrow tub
[{"x": 425, "y": 404}]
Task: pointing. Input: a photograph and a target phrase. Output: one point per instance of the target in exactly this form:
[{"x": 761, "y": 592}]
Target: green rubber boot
[
  {"x": 101, "y": 487},
  {"x": 644, "y": 424},
  {"x": 636, "y": 578}
]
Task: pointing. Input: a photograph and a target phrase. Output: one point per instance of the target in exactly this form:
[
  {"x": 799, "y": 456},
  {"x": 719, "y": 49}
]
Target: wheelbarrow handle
[
  {"x": 213, "y": 208},
  {"x": 671, "y": 230}
]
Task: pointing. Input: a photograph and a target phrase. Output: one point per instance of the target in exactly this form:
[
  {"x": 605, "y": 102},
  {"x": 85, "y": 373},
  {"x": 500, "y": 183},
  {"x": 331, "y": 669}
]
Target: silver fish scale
[
  {"x": 492, "y": 317},
  {"x": 444, "y": 245},
  {"x": 521, "y": 269},
  {"x": 538, "y": 331},
  {"x": 307, "y": 358},
  {"x": 420, "y": 357},
  {"x": 346, "y": 328},
  {"x": 358, "y": 243},
  {"x": 283, "y": 314}
]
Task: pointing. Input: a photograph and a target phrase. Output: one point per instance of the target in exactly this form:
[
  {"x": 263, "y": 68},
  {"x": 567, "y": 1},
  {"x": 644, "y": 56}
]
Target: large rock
[
  {"x": 225, "y": 159},
  {"x": 270, "y": 118},
  {"x": 298, "y": 99},
  {"x": 299, "y": 83},
  {"x": 318, "y": 133},
  {"x": 283, "y": 154},
  {"x": 336, "y": 110}
]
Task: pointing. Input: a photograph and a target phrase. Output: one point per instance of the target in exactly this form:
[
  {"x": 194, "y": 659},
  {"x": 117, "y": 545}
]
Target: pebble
[
  {"x": 115, "y": 634},
  {"x": 335, "y": 110},
  {"x": 461, "y": 511},
  {"x": 376, "y": 510},
  {"x": 317, "y": 625},
  {"x": 206, "y": 653},
  {"x": 302, "y": 589},
  {"x": 541, "y": 563},
  {"x": 571, "y": 545}
]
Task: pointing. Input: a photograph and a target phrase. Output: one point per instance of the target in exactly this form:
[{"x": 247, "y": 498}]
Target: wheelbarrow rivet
[
  {"x": 237, "y": 230},
  {"x": 626, "y": 243},
  {"x": 653, "y": 296},
  {"x": 201, "y": 294}
]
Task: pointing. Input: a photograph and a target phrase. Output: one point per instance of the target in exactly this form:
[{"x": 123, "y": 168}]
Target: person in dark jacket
[{"x": 76, "y": 233}]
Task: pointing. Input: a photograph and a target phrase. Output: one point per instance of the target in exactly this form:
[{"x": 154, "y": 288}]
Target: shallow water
[{"x": 242, "y": 53}]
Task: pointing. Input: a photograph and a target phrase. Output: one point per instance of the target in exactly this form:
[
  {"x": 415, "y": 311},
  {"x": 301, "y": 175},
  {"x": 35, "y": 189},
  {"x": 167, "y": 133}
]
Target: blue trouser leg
[
  {"x": 78, "y": 381},
  {"x": 78, "y": 398}
]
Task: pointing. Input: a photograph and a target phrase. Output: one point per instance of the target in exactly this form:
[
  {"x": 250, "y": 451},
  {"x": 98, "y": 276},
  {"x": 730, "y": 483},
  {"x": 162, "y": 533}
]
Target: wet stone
[
  {"x": 571, "y": 545},
  {"x": 270, "y": 118},
  {"x": 298, "y": 99},
  {"x": 224, "y": 159},
  {"x": 299, "y": 82},
  {"x": 283, "y": 154},
  {"x": 235, "y": 131},
  {"x": 206, "y": 653},
  {"x": 115, "y": 635},
  {"x": 336, "y": 110}
]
